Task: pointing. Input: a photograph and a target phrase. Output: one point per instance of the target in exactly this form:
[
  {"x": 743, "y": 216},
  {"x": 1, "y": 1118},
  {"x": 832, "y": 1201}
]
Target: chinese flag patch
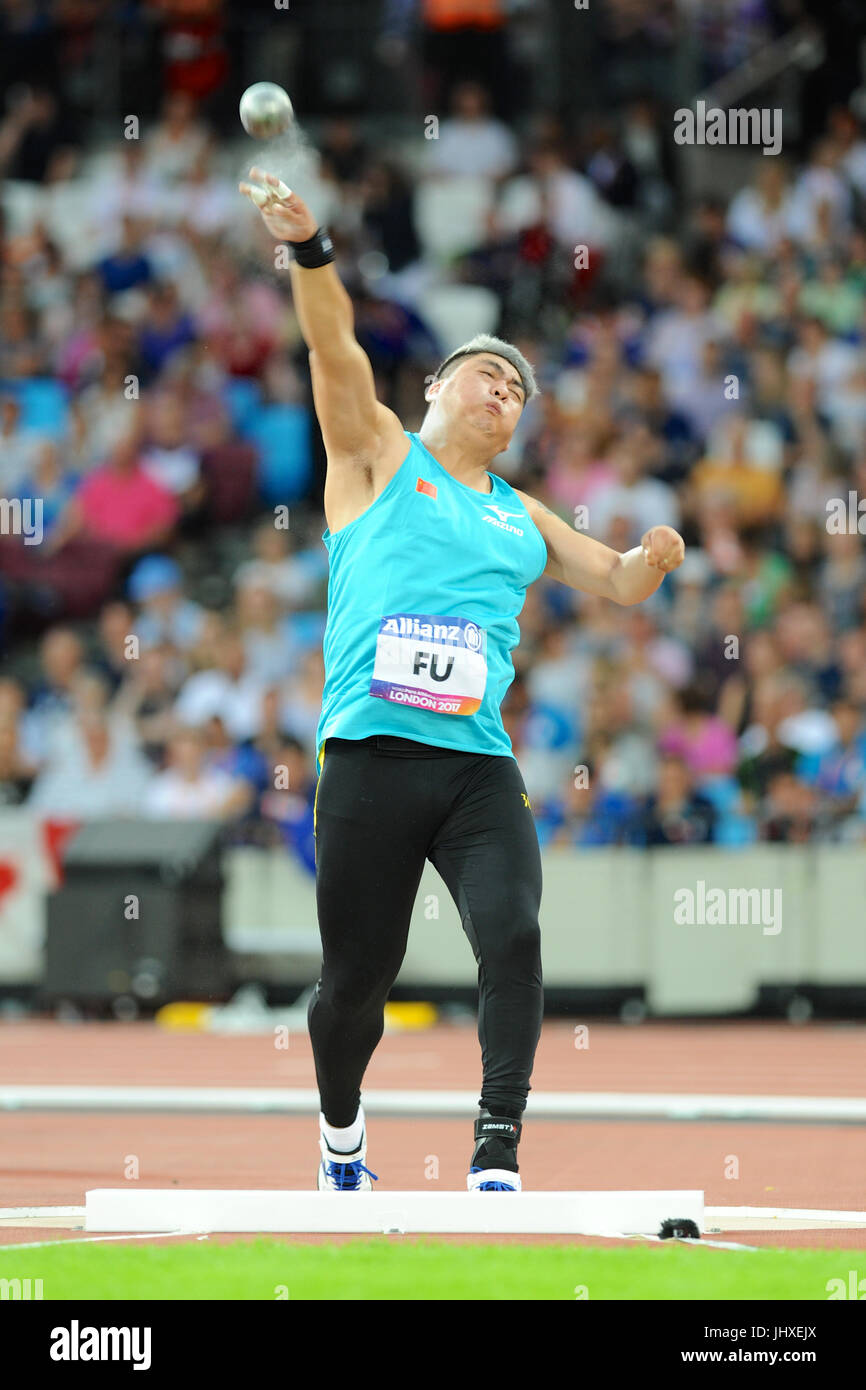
[{"x": 429, "y": 488}]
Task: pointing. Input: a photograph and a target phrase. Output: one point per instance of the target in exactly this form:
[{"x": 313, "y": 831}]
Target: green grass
[{"x": 429, "y": 1269}]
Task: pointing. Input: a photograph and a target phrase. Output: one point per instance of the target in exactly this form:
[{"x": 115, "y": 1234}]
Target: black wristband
[{"x": 318, "y": 250}]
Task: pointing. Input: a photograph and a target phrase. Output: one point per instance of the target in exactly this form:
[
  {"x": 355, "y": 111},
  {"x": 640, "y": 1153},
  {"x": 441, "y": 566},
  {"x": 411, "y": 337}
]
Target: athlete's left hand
[{"x": 663, "y": 548}]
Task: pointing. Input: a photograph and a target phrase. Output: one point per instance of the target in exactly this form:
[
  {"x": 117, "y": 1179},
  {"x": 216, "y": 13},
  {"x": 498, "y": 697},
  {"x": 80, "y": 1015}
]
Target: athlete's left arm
[{"x": 582, "y": 563}]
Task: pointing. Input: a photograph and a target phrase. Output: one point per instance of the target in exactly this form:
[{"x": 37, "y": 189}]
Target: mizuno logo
[{"x": 503, "y": 524}]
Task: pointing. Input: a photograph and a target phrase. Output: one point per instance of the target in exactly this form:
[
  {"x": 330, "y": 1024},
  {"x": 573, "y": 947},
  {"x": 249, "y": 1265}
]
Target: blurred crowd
[{"x": 702, "y": 364}]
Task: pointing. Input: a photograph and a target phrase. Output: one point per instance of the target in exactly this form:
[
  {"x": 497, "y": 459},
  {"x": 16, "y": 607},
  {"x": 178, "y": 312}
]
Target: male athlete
[{"x": 430, "y": 558}]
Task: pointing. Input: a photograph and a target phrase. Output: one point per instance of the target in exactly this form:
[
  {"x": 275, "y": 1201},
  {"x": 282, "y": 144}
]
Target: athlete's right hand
[{"x": 287, "y": 218}]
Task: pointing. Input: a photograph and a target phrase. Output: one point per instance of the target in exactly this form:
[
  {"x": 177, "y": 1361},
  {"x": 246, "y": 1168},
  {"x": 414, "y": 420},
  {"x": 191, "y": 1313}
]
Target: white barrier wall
[
  {"x": 838, "y": 939},
  {"x": 25, "y": 878},
  {"x": 610, "y": 917},
  {"x": 786, "y": 915},
  {"x": 704, "y": 965}
]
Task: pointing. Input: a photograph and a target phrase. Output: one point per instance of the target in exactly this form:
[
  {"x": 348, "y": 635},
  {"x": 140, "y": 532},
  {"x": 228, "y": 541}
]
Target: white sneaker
[
  {"x": 344, "y": 1172},
  {"x": 492, "y": 1180}
]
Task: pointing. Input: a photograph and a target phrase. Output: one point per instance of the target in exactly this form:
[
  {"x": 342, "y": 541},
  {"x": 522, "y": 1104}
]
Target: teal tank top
[{"x": 423, "y": 595}]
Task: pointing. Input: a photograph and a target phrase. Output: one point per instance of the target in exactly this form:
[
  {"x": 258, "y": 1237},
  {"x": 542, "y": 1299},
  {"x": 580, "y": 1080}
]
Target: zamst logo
[{"x": 503, "y": 516}]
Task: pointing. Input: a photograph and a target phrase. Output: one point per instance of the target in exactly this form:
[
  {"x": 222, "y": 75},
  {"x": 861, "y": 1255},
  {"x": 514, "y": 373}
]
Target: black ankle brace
[{"x": 496, "y": 1140}]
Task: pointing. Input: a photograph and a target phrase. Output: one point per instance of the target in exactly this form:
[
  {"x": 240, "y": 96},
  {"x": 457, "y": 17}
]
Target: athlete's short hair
[{"x": 485, "y": 342}]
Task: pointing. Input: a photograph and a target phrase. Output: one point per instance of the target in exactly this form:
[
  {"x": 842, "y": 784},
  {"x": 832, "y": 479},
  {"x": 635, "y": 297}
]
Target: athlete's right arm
[{"x": 352, "y": 420}]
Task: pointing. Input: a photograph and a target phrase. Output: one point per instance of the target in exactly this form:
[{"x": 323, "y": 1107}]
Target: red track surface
[{"x": 52, "y": 1158}]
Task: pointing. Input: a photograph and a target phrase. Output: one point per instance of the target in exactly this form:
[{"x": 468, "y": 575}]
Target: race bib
[{"x": 431, "y": 663}]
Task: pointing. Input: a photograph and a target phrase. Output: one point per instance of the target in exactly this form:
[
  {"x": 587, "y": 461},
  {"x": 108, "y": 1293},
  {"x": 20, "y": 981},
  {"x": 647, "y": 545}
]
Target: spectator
[
  {"x": 62, "y": 660},
  {"x": 118, "y": 504},
  {"x": 647, "y": 403},
  {"x": 833, "y": 298},
  {"x": 841, "y": 578},
  {"x": 288, "y": 801},
  {"x": 178, "y": 141},
  {"x": 203, "y": 204},
  {"x": 241, "y": 320},
  {"x": 389, "y": 219},
  {"x": 116, "y": 626},
  {"x": 228, "y": 689},
  {"x": 609, "y": 167},
  {"x": 839, "y": 774},
  {"x": 676, "y": 338},
  {"x": 760, "y": 215},
  {"x": 189, "y": 789},
  {"x": 127, "y": 188},
  {"x": 22, "y": 354},
  {"x": 270, "y": 651},
  {"x": 19, "y": 448},
  {"x": 745, "y": 299},
  {"x": 730, "y": 470},
  {"x": 708, "y": 244},
  {"x": 806, "y": 645},
  {"x": 294, "y": 578},
  {"x": 676, "y": 814},
  {"x": 99, "y": 773},
  {"x": 166, "y": 327},
  {"x": 827, "y": 362},
  {"x": 102, "y": 412},
  {"x": 471, "y": 143},
  {"x": 242, "y": 761},
  {"x": 165, "y": 615},
  {"x": 709, "y": 402},
  {"x": 343, "y": 152},
  {"x": 127, "y": 266},
  {"x": 559, "y": 677},
  {"x": 697, "y": 736},
  {"x": 147, "y": 698},
  {"x": 302, "y": 698},
  {"x": 30, "y": 135},
  {"x": 591, "y": 813},
  {"x": 821, "y": 202},
  {"x": 763, "y": 752},
  {"x": 633, "y": 496},
  {"x": 791, "y": 813},
  {"x": 168, "y": 457},
  {"x": 579, "y": 467},
  {"x": 48, "y": 485},
  {"x": 654, "y": 662},
  {"x": 559, "y": 198}
]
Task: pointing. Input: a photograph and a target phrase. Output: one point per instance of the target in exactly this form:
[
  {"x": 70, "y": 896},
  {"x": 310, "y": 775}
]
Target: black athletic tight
[{"x": 383, "y": 806}]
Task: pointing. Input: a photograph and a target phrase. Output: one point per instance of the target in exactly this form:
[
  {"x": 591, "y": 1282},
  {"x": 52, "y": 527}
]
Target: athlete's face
[{"x": 487, "y": 391}]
